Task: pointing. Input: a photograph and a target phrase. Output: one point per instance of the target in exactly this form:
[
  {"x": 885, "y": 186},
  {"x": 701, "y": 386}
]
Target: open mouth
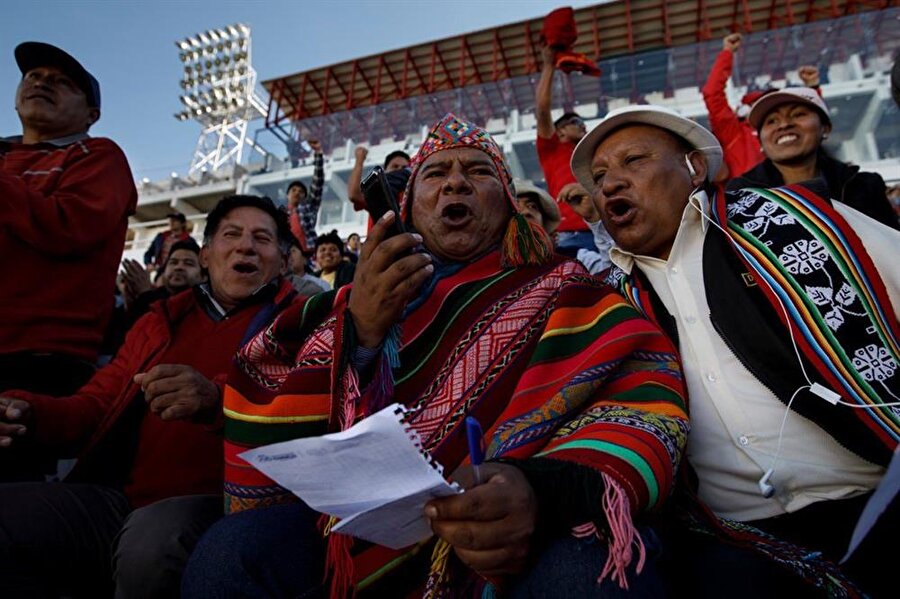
[
  {"x": 786, "y": 139},
  {"x": 619, "y": 211},
  {"x": 245, "y": 268},
  {"x": 456, "y": 214}
]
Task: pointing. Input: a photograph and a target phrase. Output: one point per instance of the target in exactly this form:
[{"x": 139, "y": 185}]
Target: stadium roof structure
[{"x": 467, "y": 62}]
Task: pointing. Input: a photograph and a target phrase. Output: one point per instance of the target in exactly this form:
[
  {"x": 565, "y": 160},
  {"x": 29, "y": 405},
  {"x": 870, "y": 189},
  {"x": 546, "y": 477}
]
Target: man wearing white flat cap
[{"x": 784, "y": 306}]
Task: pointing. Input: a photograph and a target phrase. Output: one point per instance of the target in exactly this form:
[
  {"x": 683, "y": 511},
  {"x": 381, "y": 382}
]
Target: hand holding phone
[{"x": 380, "y": 198}]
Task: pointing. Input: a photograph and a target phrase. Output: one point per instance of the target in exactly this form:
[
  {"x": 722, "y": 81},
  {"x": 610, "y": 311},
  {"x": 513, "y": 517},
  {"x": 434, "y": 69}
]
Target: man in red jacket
[
  {"x": 556, "y": 140},
  {"x": 65, "y": 198},
  {"x": 146, "y": 430},
  {"x": 739, "y": 140}
]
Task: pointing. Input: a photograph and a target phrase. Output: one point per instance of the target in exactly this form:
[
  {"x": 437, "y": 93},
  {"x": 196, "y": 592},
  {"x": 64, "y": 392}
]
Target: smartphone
[{"x": 380, "y": 198}]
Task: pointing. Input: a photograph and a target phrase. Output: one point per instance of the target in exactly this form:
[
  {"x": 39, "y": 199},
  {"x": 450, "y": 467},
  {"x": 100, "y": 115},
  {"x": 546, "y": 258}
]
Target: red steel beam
[
  {"x": 530, "y": 54},
  {"x": 432, "y": 68},
  {"x": 667, "y": 31},
  {"x": 704, "y": 32},
  {"x": 326, "y": 107},
  {"x": 353, "y": 70},
  {"x": 628, "y": 26},
  {"x": 377, "y": 99},
  {"x": 405, "y": 73},
  {"x": 448, "y": 78},
  {"x": 301, "y": 100},
  {"x": 327, "y": 88},
  {"x": 595, "y": 34},
  {"x": 392, "y": 78},
  {"x": 511, "y": 51},
  {"x": 421, "y": 87},
  {"x": 463, "y": 51}
]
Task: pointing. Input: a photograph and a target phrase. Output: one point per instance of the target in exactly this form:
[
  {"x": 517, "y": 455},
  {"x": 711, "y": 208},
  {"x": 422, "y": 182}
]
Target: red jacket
[
  {"x": 81, "y": 424},
  {"x": 555, "y": 156},
  {"x": 63, "y": 215},
  {"x": 739, "y": 141}
]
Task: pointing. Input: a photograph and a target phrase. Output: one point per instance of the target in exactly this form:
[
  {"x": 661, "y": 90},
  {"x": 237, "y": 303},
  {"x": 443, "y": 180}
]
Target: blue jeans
[
  {"x": 269, "y": 552},
  {"x": 569, "y": 567},
  {"x": 278, "y": 552}
]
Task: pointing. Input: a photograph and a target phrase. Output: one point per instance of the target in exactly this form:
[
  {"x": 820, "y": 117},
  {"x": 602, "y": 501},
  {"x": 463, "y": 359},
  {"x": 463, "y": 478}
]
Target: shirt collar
[
  {"x": 215, "y": 310},
  {"x": 691, "y": 216},
  {"x": 58, "y": 142}
]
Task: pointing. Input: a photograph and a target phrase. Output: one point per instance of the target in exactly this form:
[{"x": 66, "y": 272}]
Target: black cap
[
  {"x": 31, "y": 55},
  {"x": 567, "y": 116}
]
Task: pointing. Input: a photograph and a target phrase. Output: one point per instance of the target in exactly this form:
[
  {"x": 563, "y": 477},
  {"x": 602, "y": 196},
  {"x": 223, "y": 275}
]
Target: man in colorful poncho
[
  {"x": 784, "y": 305},
  {"x": 581, "y": 401}
]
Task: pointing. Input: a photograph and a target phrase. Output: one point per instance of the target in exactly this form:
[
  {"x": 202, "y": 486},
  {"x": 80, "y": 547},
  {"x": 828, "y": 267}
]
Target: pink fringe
[
  {"x": 339, "y": 563},
  {"x": 623, "y": 536},
  {"x": 350, "y": 397}
]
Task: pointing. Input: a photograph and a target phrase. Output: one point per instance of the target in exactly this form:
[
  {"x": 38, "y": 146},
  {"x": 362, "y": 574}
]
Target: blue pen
[{"x": 476, "y": 446}]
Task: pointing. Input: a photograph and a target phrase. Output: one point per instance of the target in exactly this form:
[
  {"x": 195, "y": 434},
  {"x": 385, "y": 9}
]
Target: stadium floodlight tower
[{"x": 219, "y": 92}]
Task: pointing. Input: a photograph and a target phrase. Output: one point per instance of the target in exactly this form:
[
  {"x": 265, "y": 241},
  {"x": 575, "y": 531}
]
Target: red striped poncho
[{"x": 551, "y": 361}]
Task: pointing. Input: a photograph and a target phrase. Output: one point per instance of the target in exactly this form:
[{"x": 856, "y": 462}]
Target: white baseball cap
[
  {"x": 645, "y": 114},
  {"x": 788, "y": 95}
]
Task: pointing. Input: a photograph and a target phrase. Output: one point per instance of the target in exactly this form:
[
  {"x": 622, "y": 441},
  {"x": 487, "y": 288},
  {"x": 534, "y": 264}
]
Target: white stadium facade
[{"x": 651, "y": 51}]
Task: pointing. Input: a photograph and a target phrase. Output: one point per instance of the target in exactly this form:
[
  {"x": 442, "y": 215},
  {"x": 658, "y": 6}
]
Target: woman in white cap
[{"x": 792, "y": 125}]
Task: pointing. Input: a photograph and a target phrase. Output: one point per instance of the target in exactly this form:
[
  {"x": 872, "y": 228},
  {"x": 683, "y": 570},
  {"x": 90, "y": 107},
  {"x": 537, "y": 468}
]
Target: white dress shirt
[{"x": 735, "y": 420}]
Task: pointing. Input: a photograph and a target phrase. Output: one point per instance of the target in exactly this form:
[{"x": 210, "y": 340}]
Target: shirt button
[
  {"x": 674, "y": 270},
  {"x": 690, "y": 320},
  {"x": 711, "y": 377},
  {"x": 743, "y": 440}
]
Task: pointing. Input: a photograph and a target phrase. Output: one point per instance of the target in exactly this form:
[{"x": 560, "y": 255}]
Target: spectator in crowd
[
  {"x": 305, "y": 283},
  {"x": 396, "y": 160},
  {"x": 555, "y": 142},
  {"x": 578, "y": 198},
  {"x": 303, "y": 207},
  {"x": 158, "y": 252},
  {"x": 392, "y": 162},
  {"x": 180, "y": 272},
  {"x": 333, "y": 269},
  {"x": 738, "y": 138},
  {"x": 792, "y": 125},
  {"x": 781, "y": 301},
  {"x": 351, "y": 248},
  {"x": 65, "y": 198},
  {"x": 536, "y": 205},
  {"x": 147, "y": 429},
  {"x": 579, "y": 395}
]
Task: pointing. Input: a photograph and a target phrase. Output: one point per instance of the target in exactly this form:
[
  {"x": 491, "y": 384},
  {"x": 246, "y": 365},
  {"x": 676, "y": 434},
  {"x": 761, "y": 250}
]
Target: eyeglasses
[{"x": 572, "y": 121}]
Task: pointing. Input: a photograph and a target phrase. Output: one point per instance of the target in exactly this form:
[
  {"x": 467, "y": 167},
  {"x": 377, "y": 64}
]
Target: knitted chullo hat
[{"x": 524, "y": 242}]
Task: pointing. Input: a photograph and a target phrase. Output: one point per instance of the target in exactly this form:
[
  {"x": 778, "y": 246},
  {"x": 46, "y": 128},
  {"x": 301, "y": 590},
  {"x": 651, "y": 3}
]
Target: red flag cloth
[
  {"x": 559, "y": 32},
  {"x": 574, "y": 61}
]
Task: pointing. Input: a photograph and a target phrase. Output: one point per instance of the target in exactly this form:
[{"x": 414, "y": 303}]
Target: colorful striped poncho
[{"x": 553, "y": 363}]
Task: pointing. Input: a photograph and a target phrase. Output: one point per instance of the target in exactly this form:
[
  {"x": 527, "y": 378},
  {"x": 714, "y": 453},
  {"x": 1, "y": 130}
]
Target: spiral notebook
[{"x": 375, "y": 477}]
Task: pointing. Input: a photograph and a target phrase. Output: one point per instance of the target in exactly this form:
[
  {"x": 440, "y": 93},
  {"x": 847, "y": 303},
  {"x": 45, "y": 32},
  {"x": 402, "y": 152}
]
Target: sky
[{"x": 129, "y": 46}]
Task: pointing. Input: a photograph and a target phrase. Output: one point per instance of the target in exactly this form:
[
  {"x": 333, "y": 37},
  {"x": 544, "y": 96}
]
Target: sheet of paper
[
  {"x": 878, "y": 502},
  {"x": 375, "y": 467},
  {"x": 403, "y": 519}
]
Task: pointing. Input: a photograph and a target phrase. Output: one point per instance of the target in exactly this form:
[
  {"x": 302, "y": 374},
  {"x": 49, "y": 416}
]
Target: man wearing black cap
[
  {"x": 156, "y": 255},
  {"x": 64, "y": 204}
]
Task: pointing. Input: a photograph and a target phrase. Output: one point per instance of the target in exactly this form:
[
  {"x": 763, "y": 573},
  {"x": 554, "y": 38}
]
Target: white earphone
[
  {"x": 690, "y": 166},
  {"x": 766, "y": 488}
]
